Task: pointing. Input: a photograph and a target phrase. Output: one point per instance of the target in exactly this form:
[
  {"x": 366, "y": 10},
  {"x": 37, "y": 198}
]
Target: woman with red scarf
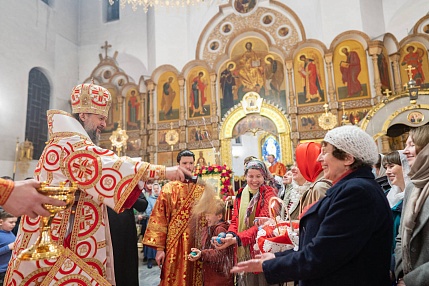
[{"x": 306, "y": 159}]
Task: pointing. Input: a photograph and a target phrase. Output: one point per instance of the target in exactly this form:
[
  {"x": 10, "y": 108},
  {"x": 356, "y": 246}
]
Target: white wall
[
  {"x": 33, "y": 35},
  {"x": 400, "y": 16},
  {"x": 240, "y": 152}
]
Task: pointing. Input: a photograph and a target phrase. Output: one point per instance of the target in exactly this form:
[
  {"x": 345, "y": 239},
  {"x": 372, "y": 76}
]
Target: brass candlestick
[{"x": 45, "y": 247}]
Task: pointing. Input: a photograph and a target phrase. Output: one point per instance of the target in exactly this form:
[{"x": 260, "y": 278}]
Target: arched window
[
  {"x": 36, "y": 128},
  {"x": 112, "y": 11}
]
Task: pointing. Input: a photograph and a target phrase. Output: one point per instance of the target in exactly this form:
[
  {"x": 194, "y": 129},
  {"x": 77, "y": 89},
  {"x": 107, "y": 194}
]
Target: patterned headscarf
[
  {"x": 259, "y": 165},
  {"x": 269, "y": 180}
]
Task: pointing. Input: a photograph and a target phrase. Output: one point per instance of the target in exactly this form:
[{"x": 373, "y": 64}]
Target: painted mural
[
  {"x": 254, "y": 123},
  {"x": 383, "y": 69},
  {"x": 353, "y": 115},
  {"x": 204, "y": 157},
  {"x": 167, "y": 158},
  {"x": 309, "y": 77},
  {"x": 251, "y": 68},
  {"x": 414, "y": 55},
  {"x": 168, "y": 97},
  {"x": 200, "y": 134},
  {"x": 133, "y": 112},
  {"x": 309, "y": 122},
  {"x": 351, "y": 71},
  {"x": 271, "y": 146},
  {"x": 199, "y": 92}
]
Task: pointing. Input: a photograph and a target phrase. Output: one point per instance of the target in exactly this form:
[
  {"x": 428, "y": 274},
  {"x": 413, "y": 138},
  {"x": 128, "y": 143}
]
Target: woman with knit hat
[
  {"x": 345, "y": 238},
  {"x": 412, "y": 243}
]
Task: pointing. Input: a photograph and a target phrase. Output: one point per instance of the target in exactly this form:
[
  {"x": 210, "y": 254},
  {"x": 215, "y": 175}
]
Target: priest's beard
[
  {"x": 92, "y": 133},
  {"x": 94, "y": 136}
]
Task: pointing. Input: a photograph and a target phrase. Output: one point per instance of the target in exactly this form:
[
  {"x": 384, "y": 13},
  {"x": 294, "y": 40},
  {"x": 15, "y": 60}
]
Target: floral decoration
[{"x": 225, "y": 177}]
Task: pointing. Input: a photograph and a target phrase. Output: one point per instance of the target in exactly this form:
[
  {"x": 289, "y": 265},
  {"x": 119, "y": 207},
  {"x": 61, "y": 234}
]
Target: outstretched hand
[
  {"x": 225, "y": 242},
  {"x": 177, "y": 173},
  {"x": 252, "y": 265},
  {"x": 25, "y": 199}
]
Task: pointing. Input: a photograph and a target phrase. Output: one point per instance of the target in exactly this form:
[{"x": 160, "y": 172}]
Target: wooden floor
[{"x": 148, "y": 277}]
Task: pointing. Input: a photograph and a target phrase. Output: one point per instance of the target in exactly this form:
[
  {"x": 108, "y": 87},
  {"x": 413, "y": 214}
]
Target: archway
[
  {"x": 262, "y": 108},
  {"x": 393, "y": 117}
]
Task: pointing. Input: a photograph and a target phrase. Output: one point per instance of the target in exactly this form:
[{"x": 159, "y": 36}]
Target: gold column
[
  {"x": 331, "y": 87},
  {"x": 374, "y": 50},
  {"x": 289, "y": 66},
  {"x": 285, "y": 143},
  {"x": 151, "y": 127},
  {"x": 182, "y": 108},
  {"x": 226, "y": 154},
  {"x": 396, "y": 72},
  {"x": 143, "y": 122},
  {"x": 152, "y": 157},
  {"x": 213, "y": 107},
  {"x": 151, "y": 96},
  {"x": 385, "y": 147},
  {"x": 121, "y": 108}
]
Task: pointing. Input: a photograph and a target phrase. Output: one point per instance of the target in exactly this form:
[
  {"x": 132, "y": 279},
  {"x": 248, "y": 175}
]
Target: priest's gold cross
[
  {"x": 106, "y": 47},
  {"x": 409, "y": 70}
]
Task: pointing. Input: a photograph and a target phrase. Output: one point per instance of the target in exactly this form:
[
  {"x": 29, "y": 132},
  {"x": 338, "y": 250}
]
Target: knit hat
[{"x": 355, "y": 141}]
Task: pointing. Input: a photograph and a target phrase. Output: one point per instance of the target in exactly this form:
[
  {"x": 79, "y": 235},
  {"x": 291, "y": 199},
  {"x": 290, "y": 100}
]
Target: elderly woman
[
  {"x": 251, "y": 203},
  {"x": 412, "y": 243},
  {"x": 345, "y": 238}
]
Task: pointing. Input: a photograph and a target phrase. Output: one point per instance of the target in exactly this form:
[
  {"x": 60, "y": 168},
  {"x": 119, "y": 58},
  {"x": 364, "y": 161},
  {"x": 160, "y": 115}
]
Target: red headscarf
[{"x": 306, "y": 159}]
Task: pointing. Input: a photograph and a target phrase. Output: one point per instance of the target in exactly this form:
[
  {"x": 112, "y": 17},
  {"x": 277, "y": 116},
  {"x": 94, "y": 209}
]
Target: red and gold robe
[
  {"x": 171, "y": 228},
  {"x": 103, "y": 179}
]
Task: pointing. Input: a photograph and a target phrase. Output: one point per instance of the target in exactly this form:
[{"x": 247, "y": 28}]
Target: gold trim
[
  {"x": 381, "y": 105},
  {"x": 268, "y": 110}
]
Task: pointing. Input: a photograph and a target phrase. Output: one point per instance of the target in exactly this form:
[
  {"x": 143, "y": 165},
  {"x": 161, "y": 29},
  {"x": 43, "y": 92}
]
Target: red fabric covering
[
  {"x": 306, "y": 160},
  {"x": 282, "y": 241}
]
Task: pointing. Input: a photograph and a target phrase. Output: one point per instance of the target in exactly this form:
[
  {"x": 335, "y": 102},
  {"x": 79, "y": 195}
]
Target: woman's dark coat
[{"x": 345, "y": 238}]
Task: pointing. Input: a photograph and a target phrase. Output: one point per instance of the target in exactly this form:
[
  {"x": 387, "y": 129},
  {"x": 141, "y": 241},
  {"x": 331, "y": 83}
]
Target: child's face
[
  {"x": 213, "y": 219},
  {"x": 8, "y": 224},
  {"x": 156, "y": 190}
]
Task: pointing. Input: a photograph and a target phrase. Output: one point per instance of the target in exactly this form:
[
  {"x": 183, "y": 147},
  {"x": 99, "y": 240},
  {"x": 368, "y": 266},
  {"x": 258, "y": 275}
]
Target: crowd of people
[{"x": 342, "y": 214}]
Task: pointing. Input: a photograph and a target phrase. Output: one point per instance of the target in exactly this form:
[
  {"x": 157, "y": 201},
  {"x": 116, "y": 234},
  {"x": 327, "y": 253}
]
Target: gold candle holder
[{"x": 45, "y": 247}]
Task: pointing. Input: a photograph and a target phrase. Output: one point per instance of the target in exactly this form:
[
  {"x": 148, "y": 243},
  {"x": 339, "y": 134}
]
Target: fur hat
[
  {"x": 90, "y": 98},
  {"x": 355, "y": 141}
]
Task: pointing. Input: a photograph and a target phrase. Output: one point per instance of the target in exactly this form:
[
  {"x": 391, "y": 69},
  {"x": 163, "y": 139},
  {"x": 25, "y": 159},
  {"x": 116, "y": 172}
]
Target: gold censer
[{"x": 45, "y": 247}]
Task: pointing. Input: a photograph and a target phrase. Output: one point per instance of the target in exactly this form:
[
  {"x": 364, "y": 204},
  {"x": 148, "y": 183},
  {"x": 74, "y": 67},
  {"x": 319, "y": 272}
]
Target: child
[
  {"x": 7, "y": 240},
  {"x": 149, "y": 252},
  {"x": 216, "y": 263}
]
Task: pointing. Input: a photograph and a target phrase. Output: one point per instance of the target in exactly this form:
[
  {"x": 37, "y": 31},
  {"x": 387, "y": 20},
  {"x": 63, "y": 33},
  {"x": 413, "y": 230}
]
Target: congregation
[{"x": 341, "y": 211}]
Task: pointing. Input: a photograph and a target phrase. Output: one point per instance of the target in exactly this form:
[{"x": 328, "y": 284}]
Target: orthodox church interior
[{"x": 226, "y": 79}]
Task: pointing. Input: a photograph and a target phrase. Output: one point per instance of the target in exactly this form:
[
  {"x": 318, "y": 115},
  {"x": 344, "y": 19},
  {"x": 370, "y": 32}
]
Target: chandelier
[{"x": 158, "y": 3}]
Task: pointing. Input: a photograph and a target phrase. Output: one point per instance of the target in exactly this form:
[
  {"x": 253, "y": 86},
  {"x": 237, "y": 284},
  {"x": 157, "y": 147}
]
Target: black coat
[
  {"x": 345, "y": 238},
  {"x": 124, "y": 241}
]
